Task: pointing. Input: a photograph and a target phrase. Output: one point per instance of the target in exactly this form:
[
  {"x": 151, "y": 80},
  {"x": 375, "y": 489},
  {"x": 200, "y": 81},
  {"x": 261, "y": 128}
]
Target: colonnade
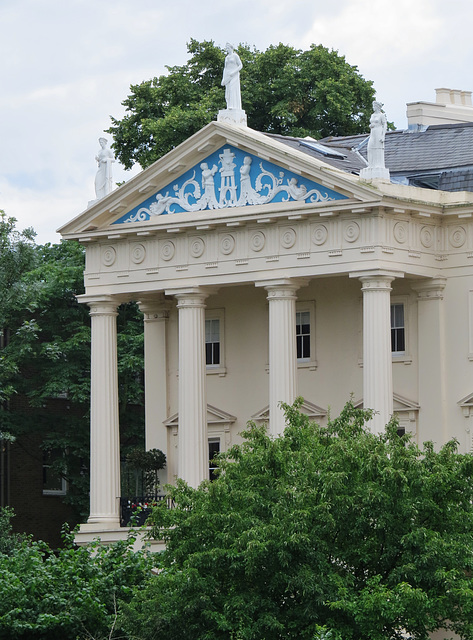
[{"x": 193, "y": 463}]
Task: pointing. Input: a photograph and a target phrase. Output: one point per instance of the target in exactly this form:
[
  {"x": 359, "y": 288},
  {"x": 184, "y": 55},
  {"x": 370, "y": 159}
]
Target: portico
[{"x": 285, "y": 289}]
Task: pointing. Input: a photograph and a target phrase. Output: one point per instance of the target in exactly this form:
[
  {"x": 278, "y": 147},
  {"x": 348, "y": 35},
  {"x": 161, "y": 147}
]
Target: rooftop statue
[
  {"x": 231, "y": 81},
  {"x": 231, "y": 78},
  {"x": 378, "y": 126},
  {"x": 103, "y": 177}
]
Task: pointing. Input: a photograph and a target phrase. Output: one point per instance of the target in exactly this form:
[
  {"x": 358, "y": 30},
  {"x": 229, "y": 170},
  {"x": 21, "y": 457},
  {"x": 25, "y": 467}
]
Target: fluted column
[
  {"x": 377, "y": 355},
  {"x": 433, "y": 419},
  {"x": 104, "y": 424},
  {"x": 282, "y": 349},
  {"x": 155, "y": 317},
  {"x": 193, "y": 440}
]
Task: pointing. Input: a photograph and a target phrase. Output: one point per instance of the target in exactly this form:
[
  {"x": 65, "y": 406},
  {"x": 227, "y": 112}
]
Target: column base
[{"x": 87, "y": 534}]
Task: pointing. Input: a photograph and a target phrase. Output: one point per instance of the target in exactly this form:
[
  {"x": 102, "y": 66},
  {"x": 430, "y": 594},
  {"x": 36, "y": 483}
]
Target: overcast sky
[{"x": 68, "y": 64}]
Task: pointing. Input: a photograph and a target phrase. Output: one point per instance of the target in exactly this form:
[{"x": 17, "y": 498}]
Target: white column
[
  {"x": 433, "y": 419},
  {"x": 282, "y": 349},
  {"x": 377, "y": 355},
  {"x": 193, "y": 439},
  {"x": 104, "y": 424},
  {"x": 155, "y": 316}
]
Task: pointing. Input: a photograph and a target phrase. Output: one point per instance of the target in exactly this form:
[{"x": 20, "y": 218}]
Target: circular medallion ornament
[
  {"x": 138, "y": 253},
  {"x": 400, "y": 232},
  {"x": 457, "y": 237},
  {"x": 427, "y": 237},
  {"x": 288, "y": 238},
  {"x": 197, "y": 247},
  {"x": 227, "y": 244},
  {"x": 319, "y": 234},
  {"x": 109, "y": 255},
  {"x": 167, "y": 250},
  {"x": 351, "y": 232},
  {"x": 257, "y": 241}
]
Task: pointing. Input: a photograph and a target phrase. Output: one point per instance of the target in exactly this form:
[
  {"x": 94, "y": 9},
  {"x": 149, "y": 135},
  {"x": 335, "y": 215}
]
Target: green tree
[
  {"x": 323, "y": 532},
  {"x": 284, "y": 90},
  {"x": 72, "y": 594},
  {"x": 45, "y": 356}
]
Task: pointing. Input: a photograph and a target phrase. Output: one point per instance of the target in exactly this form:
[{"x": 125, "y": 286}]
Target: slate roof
[{"x": 439, "y": 157}]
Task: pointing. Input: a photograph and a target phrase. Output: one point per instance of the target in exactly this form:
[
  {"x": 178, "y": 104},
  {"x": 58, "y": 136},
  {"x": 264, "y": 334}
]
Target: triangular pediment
[
  {"x": 221, "y": 171},
  {"x": 467, "y": 401},
  {"x": 228, "y": 178},
  {"x": 215, "y": 416},
  {"x": 400, "y": 404},
  {"x": 311, "y": 410}
]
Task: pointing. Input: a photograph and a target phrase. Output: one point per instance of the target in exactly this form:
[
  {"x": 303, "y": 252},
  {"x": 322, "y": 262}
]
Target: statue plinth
[
  {"x": 232, "y": 116},
  {"x": 375, "y": 173}
]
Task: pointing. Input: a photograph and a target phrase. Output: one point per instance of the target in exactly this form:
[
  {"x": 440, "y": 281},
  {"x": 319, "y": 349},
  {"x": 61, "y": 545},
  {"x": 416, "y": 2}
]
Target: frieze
[{"x": 227, "y": 178}]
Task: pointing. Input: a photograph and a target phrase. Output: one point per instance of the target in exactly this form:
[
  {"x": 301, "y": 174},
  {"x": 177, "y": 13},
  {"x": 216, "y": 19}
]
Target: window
[
  {"x": 212, "y": 342},
  {"x": 398, "y": 330},
  {"x": 214, "y": 449},
  {"x": 303, "y": 335},
  {"x": 54, "y": 483}
]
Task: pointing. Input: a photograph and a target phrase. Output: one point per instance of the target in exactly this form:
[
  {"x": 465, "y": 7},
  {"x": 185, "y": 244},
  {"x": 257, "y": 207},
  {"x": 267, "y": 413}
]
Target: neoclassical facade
[{"x": 264, "y": 274}]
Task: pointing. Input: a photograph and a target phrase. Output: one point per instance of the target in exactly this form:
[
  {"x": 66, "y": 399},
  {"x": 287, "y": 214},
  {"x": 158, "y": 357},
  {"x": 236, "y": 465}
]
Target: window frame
[
  {"x": 402, "y": 356},
  {"x": 309, "y": 307},
  {"x": 217, "y": 369},
  {"x": 53, "y": 492}
]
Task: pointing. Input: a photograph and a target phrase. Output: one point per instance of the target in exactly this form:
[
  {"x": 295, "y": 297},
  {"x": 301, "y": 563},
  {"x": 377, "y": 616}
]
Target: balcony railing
[{"x": 136, "y": 510}]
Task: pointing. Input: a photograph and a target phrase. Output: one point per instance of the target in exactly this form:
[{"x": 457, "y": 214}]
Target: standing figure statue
[
  {"x": 231, "y": 78},
  {"x": 378, "y": 128},
  {"x": 376, "y": 169},
  {"x": 103, "y": 177}
]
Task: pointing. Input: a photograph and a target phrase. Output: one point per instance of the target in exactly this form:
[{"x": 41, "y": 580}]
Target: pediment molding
[
  {"x": 167, "y": 171},
  {"x": 310, "y": 409},
  {"x": 215, "y": 416},
  {"x": 400, "y": 404}
]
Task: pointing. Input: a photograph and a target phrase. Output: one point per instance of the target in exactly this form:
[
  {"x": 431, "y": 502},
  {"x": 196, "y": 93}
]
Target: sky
[{"x": 68, "y": 65}]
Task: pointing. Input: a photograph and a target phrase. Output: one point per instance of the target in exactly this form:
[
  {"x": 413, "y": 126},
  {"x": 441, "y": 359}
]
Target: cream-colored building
[{"x": 264, "y": 273}]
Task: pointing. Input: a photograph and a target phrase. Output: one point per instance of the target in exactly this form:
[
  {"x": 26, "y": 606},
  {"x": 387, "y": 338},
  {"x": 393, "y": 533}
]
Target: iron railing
[{"x": 136, "y": 510}]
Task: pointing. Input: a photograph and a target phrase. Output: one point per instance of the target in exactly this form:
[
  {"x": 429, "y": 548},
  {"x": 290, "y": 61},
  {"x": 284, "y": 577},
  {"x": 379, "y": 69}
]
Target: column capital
[
  {"x": 431, "y": 289},
  {"x": 376, "y": 279},
  {"x": 282, "y": 288},
  {"x": 101, "y": 304},
  {"x": 154, "y": 308},
  {"x": 190, "y": 296}
]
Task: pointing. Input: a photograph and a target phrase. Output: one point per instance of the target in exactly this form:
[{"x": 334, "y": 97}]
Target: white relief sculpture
[
  {"x": 208, "y": 199},
  {"x": 103, "y": 177},
  {"x": 191, "y": 197},
  {"x": 378, "y": 126},
  {"x": 231, "y": 78},
  {"x": 247, "y": 194},
  {"x": 227, "y": 173}
]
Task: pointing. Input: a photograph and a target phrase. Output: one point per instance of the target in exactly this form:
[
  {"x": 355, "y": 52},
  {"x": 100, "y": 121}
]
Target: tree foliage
[
  {"x": 73, "y": 594},
  {"x": 324, "y": 532},
  {"x": 284, "y": 90},
  {"x": 45, "y": 355}
]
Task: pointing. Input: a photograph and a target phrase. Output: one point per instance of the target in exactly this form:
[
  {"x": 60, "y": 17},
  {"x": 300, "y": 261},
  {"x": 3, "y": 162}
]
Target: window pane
[
  {"x": 303, "y": 334},
  {"x": 214, "y": 449},
  {"x": 398, "y": 332}
]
